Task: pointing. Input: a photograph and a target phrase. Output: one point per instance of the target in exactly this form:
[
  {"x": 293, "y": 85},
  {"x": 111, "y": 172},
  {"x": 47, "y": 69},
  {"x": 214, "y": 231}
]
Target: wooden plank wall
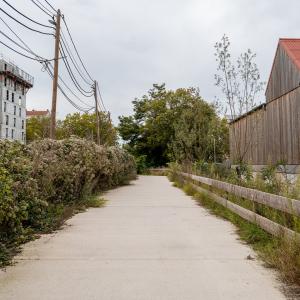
[
  {"x": 270, "y": 134},
  {"x": 284, "y": 77}
]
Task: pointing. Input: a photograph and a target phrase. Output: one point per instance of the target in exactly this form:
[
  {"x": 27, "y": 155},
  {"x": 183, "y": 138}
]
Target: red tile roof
[
  {"x": 37, "y": 113},
  {"x": 292, "y": 47}
]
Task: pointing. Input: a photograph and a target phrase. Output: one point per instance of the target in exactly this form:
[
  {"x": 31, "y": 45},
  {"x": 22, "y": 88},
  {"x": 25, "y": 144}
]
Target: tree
[
  {"x": 37, "y": 128},
  {"x": 80, "y": 125},
  {"x": 169, "y": 125},
  {"x": 200, "y": 135},
  {"x": 84, "y": 126},
  {"x": 240, "y": 83}
]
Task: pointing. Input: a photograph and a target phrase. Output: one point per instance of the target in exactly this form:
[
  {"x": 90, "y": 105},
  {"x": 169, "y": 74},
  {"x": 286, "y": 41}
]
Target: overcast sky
[{"x": 129, "y": 45}]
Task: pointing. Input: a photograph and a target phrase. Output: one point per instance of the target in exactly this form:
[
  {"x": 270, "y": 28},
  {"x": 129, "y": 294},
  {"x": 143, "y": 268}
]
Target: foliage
[
  {"x": 268, "y": 175},
  {"x": 79, "y": 125},
  {"x": 141, "y": 164},
  {"x": 240, "y": 84},
  {"x": 174, "y": 126},
  {"x": 85, "y": 126},
  {"x": 41, "y": 184},
  {"x": 37, "y": 128}
]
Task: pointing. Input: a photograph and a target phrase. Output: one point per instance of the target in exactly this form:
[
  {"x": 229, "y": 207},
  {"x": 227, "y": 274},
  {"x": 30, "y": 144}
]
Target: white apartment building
[{"x": 14, "y": 84}]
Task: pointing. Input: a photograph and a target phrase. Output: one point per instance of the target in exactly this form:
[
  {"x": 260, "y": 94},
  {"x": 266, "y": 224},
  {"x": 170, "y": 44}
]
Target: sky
[{"x": 129, "y": 45}]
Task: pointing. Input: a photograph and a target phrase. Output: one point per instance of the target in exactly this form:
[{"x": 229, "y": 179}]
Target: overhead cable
[
  {"x": 24, "y": 25},
  {"x": 23, "y": 15}
]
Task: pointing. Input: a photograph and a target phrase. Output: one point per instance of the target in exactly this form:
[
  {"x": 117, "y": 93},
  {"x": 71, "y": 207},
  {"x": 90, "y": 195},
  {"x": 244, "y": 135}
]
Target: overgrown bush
[{"x": 40, "y": 181}]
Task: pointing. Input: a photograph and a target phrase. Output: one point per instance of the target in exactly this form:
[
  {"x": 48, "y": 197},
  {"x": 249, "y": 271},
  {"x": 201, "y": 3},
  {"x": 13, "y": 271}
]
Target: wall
[
  {"x": 270, "y": 134},
  {"x": 20, "y": 103},
  {"x": 285, "y": 76}
]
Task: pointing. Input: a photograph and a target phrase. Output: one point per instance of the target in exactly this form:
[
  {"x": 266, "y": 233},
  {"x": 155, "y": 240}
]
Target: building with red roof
[
  {"x": 37, "y": 113},
  {"x": 270, "y": 133}
]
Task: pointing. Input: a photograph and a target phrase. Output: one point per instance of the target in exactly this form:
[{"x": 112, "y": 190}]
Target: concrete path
[{"x": 150, "y": 242}]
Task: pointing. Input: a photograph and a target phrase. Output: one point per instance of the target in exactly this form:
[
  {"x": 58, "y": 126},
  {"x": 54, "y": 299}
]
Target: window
[
  {"x": 12, "y": 133},
  {"x": 6, "y": 133},
  {"x": 23, "y": 90},
  {"x": 15, "y": 86},
  {"x": 13, "y": 97},
  {"x": 15, "y": 110},
  {"x": 5, "y": 81},
  {"x": 6, "y": 120},
  {"x": 20, "y": 112},
  {"x": 15, "y": 122},
  {"x": 4, "y": 108},
  {"x": 7, "y": 95},
  {"x": 20, "y": 100},
  {"x": 22, "y": 136},
  {"x": 23, "y": 124},
  {"x": 5, "y": 67}
]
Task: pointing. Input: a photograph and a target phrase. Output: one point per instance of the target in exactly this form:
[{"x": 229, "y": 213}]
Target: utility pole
[
  {"x": 55, "y": 76},
  {"x": 97, "y": 112}
]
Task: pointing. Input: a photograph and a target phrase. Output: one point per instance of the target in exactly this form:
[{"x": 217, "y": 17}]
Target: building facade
[
  {"x": 270, "y": 133},
  {"x": 14, "y": 85}
]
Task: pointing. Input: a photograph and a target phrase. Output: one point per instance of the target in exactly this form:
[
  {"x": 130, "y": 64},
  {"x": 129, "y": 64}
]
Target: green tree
[
  {"x": 172, "y": 125},
  {"x": 80, "y": 125},
  {"x": 85, "y": 126},
  {"x": 37, "y": 128},
  {"x": 199, "y": 134}
]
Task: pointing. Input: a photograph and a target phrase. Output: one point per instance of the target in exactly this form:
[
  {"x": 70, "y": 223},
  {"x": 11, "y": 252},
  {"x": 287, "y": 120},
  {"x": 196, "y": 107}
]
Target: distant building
[
  {"x": 270, "y": 133},
  {"x": 14, "y": 85},
  {"x": 37, "y": 113}
]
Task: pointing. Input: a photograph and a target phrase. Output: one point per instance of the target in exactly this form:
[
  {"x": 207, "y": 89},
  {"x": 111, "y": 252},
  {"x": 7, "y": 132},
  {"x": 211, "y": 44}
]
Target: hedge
[{"x": 39, "y": 180}]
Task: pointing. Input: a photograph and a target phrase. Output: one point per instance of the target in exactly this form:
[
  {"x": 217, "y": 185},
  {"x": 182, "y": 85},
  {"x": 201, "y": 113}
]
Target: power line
[
  {"x": 24, "y": 25},
  {"x": 72, "y": 102},
  {"x": 1, "y": 32},
  {"x": 65, "y": 95},
  {"x": 64, "y": 48},
  {"x": 39, "y": 2},
  {"x": 55, "y": 10},
  {"x": 42, "y": 8},
  {"x": 73, "y": 60},
  {"x": 70, "y": 90},
  {"x": 28, "y": 18},
  {"x": 69, "y": 33},
  {"x": 73, "y": 78},
  {"x": 101, "y": 97},
  {"x": 32, "y": 58},
  {"x": 11, "y": 30}
]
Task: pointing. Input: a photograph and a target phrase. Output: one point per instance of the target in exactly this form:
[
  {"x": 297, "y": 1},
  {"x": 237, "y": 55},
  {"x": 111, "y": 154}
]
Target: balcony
[{"x": 11, "y": 70}]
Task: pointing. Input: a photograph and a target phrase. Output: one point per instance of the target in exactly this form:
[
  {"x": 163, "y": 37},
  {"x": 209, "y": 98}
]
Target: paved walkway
[{"x": 150, "y": 242}]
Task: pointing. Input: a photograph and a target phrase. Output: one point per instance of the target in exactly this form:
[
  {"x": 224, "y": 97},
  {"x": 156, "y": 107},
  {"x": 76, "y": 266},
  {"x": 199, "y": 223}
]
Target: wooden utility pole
[
  {"x": 97, "y": 112},
  {"x": 55, "y": 76}
]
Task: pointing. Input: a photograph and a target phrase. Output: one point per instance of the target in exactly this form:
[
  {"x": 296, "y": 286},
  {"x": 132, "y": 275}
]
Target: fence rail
[{"x": 283, "y": 204}]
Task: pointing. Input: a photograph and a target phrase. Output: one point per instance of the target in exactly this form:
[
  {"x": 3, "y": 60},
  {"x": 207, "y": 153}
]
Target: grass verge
[{"x": 277, "y": 253}]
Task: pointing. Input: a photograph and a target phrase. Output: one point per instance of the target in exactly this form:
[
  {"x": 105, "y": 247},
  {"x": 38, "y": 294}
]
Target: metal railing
[{"x": 8, "y": 66}]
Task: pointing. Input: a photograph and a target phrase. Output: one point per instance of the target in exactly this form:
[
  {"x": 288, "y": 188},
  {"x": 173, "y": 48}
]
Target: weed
[{"x": 94, "y": 201}]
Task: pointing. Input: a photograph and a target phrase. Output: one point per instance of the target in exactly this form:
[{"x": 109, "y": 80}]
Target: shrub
[
  {"x": 141, "y": 164},
  {"x": 42, "y": 182}
]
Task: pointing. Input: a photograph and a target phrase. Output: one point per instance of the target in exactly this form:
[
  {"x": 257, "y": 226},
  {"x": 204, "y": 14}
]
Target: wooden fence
[{"x": 280, "y": 203}]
